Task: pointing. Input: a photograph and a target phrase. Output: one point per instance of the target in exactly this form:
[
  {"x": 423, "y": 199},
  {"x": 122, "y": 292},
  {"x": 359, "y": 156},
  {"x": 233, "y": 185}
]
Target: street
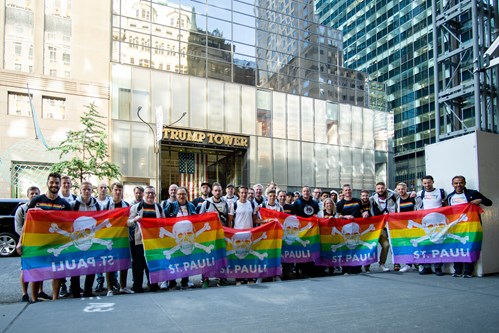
[{"x": 384, "y": 302}]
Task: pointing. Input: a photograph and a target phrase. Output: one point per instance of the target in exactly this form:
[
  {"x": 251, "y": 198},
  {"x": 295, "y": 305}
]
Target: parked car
[{"x": 8, "y": 234}]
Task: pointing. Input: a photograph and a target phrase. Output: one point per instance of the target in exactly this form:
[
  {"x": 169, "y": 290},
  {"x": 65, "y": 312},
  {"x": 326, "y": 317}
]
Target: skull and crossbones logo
[
  {"x": 242, "y": 243},
  {"x": 82, "y": 236},
  {"x": 185, "y": 236},
  {"x": 436, "y": 228},
  {"x": 352, "y": 236},
  {"x": 291, "y": 230}
]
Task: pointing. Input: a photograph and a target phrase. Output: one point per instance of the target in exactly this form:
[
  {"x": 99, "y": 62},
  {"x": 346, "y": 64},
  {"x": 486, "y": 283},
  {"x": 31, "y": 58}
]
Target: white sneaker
[
  {"x": 405, "y": 268},
  {"x": 110, "y": 293},
  {"x": 258, "y": 281},
  {"x": 163, "y": 285},
  {"x": 384, "y": 268},
  {"x": 126, "y": 291},
  {"x": 277, "y": 279}
]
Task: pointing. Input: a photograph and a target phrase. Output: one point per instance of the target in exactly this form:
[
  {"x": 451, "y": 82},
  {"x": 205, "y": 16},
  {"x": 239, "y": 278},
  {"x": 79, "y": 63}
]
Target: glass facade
[
  {"x": 264, "y": 70},
  {"x": 393, "y": 42}
]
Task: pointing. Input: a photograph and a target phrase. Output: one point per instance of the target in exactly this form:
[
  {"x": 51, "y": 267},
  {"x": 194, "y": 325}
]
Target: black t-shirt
[
  {"x": 305, "y": 208},
  {"x": 43, "y": 202},
  {"x": 287, "y": 208},
  {"x": 350, "y": 207},
  {"x": 407, "y": 205}
]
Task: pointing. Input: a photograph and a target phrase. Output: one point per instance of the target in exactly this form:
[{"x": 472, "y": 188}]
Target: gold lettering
[
  {"x": 201, "y": 136},
  {"x": 219, "y": 139},
  {"x": 182, "y": 135},
  {"x": 174, "y": 134},
  {"x": 210, "y": 137},
  {"x": 166, "y": 131},
  {"x": 191, "y": 136},
  {"x": 244, "y": 142},
  {"x": 228, "y": 139}
]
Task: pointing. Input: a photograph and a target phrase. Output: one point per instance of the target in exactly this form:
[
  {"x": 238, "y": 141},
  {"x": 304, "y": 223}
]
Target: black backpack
[{"x": 223, "y": 216}]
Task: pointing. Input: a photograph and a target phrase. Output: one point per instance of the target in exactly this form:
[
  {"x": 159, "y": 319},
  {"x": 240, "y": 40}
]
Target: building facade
[
  {"x": 191, "y": 94},
  {"x": 397, "y": 43}
]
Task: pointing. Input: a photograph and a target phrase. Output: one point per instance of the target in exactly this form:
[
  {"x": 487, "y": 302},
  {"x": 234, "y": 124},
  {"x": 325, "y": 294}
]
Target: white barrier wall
[{"x": 475, "y": 156}]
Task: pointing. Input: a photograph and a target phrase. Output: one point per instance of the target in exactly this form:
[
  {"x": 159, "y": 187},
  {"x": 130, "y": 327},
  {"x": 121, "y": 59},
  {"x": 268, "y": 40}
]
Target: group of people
[{"x": 239, "y": 211}]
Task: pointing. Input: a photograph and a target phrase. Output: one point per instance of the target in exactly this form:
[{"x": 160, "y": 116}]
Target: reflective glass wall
[{"x": 294, "y": 140}]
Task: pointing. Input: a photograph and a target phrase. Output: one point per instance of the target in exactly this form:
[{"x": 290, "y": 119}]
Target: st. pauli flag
[
  {"x": 300, "y": 236},
  {"x": 183, "y": 246},
  {"x": 448, "y": 234},
  {"x": 253, "y": 253},
  {"x": 58, "y": 244},
  {"x": 350, "y": 242}
]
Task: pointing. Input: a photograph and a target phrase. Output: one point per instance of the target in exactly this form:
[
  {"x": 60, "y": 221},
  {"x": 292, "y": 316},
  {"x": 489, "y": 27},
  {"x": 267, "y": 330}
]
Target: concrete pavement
[{"x": 376, "y": 302}]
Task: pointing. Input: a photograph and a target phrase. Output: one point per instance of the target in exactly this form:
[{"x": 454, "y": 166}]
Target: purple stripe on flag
[
  {"x": 207, "y": 267},
  {"x": 436, "y": 258},
  {"x": 68, "y": 268},
  {"x": 240, "y": 272}
]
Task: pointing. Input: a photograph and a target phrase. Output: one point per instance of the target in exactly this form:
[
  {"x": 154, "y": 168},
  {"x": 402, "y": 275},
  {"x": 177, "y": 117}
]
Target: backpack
[
  {"x": 252, "y": 207},
  {"x": 78, "y": 203},
  {"x": 108, "y": 206}
]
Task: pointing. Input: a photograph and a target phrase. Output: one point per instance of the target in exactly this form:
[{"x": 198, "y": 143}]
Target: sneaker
[
  {"x": 116, "y": 286},
  {"x": 438, "y": 272},
  {"x": 467, "y": 276},
  {"x": 206, "y": 284},
  {"x": 222, "y": 283},
  {"x": 258, "y": 281},
  {"x": 63, "y": 291},
  {"x": 42, "y": 295},
  {"x": 457, "y": 274},
  {"x": 238, "y": 283},
  {"x": 405, "y": 268},
  {"x": 25, "y": 298},
  {"x": 172, "y": 284},
  {"x": 163, "y": 285},
  {"x": 396, "y": 267},
  {"x": 88, "y": 294},
  {"x": 425, "y": 271},
  {"x": 190, "y": 284},
  {"x": 110, "y": 293},
  {"x": 384, "y": 268},
  {"x": 99, "y": 288},
  {"x": 126, "y": 291},
  {"x": 277, "y": 279}
]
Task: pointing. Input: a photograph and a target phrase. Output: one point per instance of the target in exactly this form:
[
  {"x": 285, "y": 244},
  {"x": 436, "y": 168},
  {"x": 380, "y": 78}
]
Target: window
[
  {"x": 19, "y": 105},
  {"x": 53, "y": 108}
]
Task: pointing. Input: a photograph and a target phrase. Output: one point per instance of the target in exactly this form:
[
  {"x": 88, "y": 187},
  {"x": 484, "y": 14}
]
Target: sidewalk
[{"x": 376, "y": 302}]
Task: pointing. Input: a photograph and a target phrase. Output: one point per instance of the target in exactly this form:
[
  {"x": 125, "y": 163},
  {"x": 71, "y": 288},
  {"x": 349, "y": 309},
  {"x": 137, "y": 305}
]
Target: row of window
[{"x": 20, "y": 105}]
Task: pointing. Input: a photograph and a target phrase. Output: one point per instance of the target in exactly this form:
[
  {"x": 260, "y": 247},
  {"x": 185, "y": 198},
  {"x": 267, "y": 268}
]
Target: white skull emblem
[
  {"x": 83, "y": 232},
  {"x": 185, "y": 236},
  {"x": 242, "y": 244},
  {"x": 436, "y": 226},
  {"x": 351, "y": 233}
]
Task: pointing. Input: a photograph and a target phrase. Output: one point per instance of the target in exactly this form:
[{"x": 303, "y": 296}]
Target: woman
[{"x": 329, "y": 210}]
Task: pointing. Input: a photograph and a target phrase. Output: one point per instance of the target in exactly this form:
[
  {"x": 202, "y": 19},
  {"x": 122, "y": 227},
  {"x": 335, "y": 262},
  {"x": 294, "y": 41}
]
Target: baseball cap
[
  {"x": 230, "y": 185},
  {"x": 205, "y": 183}
]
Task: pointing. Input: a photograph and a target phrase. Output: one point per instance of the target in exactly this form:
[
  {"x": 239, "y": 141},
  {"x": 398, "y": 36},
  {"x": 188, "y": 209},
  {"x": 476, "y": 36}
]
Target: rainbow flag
[
  {"x": 253, "y": 253},
  {"x": 448, "y": 234},
  {"x": 178, "y": 247},
  {"x": 301, "y": 238},
  {"x": 58, "y": 244},
  {"x": 350, "y": 242}
]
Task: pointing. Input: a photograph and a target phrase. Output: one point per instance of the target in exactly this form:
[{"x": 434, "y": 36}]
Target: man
[
  {"x": 405, "y": 203},
  {"x": 462, "y": 195},
  {"x": 243, "y": 214},
  {"x": 216, "y": 204},
  {"x": 48, "y": 201},
  {"x": 205, "y": 192},
  {"x": 324, "y": 196},
  {"x": 251, "y": 195},
  {"x": 285, "y": 201},
  {"x": 84, "y": 203},
  {"x": 430, "y": 197},
  {"x": 271, "y": 203},
  {"x": 19, "y": 219},
  {"x": 138, "y": 195},
  {"x": 229, "y": 195},
  {"x": 349, "y": 208},
  {"x": 334, "y": 195},
  {"x": 116, "y": 202},
  {"x": 147, "y": 208},
  {"x": 179, "y": 208},
  {"x": 306, "y": 206},
  {"x": 259, "y": 198},
  {"x": 102, "y": 196},
  {"x": 172, "y": 196},
  {"x": 383, "y": 202},
  {"x": 316, "y": 196},
  {"x": 365, "y": 206},
  {"x": 65, "y": 191},
  {"x": 102, "y": 199}
]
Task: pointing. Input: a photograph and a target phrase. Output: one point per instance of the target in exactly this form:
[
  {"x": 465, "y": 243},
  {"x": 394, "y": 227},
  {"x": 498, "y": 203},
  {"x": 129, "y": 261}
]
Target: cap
[
  {"x": 205, "y": 183},
  {"x": 295, "y": 193},
  {"x": 333, "y": 192},
  {"x": 230, "y": 185},
  {"x": 289, "y": 193}
]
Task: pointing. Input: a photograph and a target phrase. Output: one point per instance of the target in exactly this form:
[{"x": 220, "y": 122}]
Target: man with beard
[
  {"x": 49, "y": 201},
  {"x": 205, "y": 191},
  {"x": 147, "y": 208},
  {"x": 259, "y": 198},
  {"x": 283, "y": 201},
  {"x": 216, "y": 204}
]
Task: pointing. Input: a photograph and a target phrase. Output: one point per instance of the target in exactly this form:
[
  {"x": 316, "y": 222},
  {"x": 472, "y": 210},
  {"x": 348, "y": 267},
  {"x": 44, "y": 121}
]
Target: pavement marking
[{"x": 99, "y": 307}]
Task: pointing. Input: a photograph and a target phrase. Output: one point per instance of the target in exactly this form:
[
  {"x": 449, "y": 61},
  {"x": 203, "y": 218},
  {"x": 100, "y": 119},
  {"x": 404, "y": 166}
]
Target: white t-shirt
[
  {"x": 458, "y": 199},
  {"x": 243, "y": 215},
  {"x": 432, "y": 199}
]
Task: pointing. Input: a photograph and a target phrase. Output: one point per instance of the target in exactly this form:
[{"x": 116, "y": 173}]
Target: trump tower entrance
[{"x": 189, "y": 158}]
